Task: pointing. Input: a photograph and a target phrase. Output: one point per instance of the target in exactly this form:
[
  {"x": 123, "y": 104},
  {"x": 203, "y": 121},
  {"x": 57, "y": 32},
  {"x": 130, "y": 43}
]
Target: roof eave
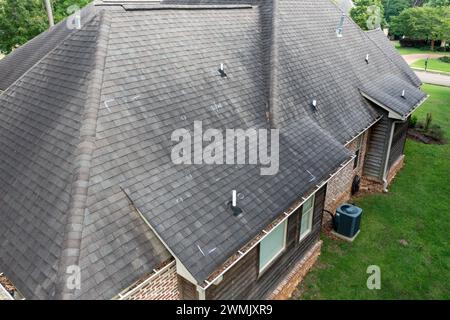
[{"x": 391, "y": 113}]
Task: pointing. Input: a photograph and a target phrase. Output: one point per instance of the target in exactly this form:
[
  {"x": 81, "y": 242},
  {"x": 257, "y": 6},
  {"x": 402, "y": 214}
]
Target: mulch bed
[{"x": 420, "y": 137}]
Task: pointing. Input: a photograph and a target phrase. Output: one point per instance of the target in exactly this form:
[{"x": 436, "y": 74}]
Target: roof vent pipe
[
  {"x": 222, "y": 71},
  {"x": 340, "y": 28},
  {"x": 314, "y": 104},
  {"x": 233, "y": 204},
  {"x": 367, "y": 58},
  {"x": 403, "y": 94}
]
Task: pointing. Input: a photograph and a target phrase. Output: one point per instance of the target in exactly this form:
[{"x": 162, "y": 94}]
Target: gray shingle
[{"x": 160, "y": 74}]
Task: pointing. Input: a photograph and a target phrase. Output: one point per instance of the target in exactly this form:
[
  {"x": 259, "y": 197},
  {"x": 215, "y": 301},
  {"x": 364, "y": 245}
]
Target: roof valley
[{"x": 80, "y": 184}]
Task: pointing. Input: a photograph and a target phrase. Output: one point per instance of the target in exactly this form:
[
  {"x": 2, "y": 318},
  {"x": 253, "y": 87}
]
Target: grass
[
  {"x": 405, "y": 51},
  {"x": 416, "y": 210},
  {"x": 433, "y": 64}
]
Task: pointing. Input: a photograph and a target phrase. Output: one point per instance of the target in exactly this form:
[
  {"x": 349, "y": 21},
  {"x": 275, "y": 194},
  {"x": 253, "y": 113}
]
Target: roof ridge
[
  {"x": 365, "y": 32},
  {"x": 387, "y": 56},
  {"x": 70, "y": 254}
]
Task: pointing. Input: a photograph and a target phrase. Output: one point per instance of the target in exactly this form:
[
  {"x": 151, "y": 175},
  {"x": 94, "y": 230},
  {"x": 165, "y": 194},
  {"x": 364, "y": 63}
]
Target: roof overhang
[{"x": 392, "y": 114}]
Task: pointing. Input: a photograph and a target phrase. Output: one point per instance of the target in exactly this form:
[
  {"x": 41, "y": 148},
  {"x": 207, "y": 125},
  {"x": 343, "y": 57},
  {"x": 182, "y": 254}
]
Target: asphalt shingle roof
[
  {"x": 388, "y": 90},
  {"x": 13, "y": 66},
  {"x": 95, "y": 117}
]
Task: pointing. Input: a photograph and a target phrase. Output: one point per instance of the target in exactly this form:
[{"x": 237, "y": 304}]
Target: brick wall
[
  {"x": 339, "y": 187},
  {"x": 162, "y": 285},
  {"x": 288, "y": 285},
  {"x": 395, "y": 168}
]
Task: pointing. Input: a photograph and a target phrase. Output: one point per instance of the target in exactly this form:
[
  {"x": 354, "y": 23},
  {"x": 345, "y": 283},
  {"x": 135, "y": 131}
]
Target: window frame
[
  {"x": 269, "y": 263},
  {"x": 310, "y": 220}
]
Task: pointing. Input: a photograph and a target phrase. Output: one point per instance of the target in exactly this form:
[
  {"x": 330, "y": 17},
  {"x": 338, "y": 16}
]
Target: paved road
[
  {"x": 434, "y": 78},
  {"x": 428, "y": 77}
]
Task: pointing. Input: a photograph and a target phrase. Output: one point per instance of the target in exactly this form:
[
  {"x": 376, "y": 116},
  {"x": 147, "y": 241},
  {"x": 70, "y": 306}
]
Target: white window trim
[
  {"x": 302, "y": 236},
  {"x": 262, "y": 269}
]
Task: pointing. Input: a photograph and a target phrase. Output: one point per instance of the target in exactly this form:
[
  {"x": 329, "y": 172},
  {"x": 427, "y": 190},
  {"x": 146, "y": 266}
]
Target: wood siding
[
  {"x": 377, "y": 147},
  {"x": 187, "y": 290},
  {"x": 243, "y": 281},
  {"x": 398, "y": 141}
]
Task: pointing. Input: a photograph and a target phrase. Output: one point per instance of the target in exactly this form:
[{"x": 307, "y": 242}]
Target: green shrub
[
  {"x": 412, "y": 122},
  {"x": 445, "y": 59}
]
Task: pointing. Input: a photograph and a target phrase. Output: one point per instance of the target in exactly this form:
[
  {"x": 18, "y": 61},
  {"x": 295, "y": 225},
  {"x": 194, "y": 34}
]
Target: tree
[
  {"x": 63, "y": 8},
  {"x": 438, "y": 3},
  {"x": 394, "y": 8},
  {"x": 22, "y": 20},
  {"x": 423, "y": 23},
  {"x": 368, "y": 14}
]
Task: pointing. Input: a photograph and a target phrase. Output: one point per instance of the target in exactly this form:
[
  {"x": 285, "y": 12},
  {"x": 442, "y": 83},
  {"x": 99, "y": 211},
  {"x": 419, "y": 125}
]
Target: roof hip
[{"x": 80, "y": 184}]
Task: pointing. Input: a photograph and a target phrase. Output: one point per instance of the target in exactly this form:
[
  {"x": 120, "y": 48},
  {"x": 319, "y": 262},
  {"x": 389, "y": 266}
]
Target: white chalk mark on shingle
[
  {"x": 201, "y": 250},
  {"x": 212, "y": 250},
  {"x": 106, "y": 104},
  {"x": 312, "y": 176},
  {"x": 216, "y": 107}
]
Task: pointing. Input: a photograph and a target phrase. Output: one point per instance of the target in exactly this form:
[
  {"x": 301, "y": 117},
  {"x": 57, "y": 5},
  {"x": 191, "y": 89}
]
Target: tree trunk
[
  {"x": 432, "y": 45},
  {"x": 48, "y": 6}
]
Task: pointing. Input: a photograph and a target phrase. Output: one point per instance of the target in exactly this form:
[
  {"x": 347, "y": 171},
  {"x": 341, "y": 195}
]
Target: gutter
[
  {"x": 266, "y": 233},
  {"x": 417, "y": 105},
  {"x": 5, "y": 293},
  {"x": 363, "y": 131}
]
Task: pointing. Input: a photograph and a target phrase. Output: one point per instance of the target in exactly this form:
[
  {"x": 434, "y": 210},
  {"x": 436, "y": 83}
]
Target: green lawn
[
  {"x": 433, "y": 65},
  {"x": 416, "y": 210},
  {"x": 404, "y": 51}
]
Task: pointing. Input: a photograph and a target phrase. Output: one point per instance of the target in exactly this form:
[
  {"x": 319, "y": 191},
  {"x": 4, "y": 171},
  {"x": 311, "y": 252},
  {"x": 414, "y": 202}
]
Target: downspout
[
  {"x": 388, "y": 153},
  {"x": 201, "y": 293}
]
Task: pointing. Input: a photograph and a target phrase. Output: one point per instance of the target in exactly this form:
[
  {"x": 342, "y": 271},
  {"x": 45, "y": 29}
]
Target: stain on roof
[{"x": 132, "y": 77}]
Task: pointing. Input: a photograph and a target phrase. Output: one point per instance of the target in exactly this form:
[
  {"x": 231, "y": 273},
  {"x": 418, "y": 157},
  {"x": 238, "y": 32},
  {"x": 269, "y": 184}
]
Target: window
[
  {"x": 272, "y": 246},
  {"x": 357, "y": 151},
  {"x": 307, "y": 217}
]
